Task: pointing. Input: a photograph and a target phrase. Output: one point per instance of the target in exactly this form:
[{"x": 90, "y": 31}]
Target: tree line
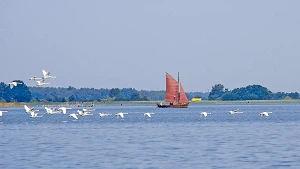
[
  {"x": 23, "y": 93},
  {"x": 251, "y": 92}
]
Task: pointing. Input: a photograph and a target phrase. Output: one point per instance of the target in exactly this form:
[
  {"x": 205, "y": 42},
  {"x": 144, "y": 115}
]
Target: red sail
[
  {"x": 171, "y": 89},
  {"x": 183, "y": 97}
]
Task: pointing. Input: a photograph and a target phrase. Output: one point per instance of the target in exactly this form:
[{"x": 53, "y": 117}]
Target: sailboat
[{"x": 175, "y": 94}]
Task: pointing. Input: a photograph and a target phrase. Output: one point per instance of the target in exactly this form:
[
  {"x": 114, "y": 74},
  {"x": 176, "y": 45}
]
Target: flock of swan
[
  {"x": 40, "y": 80},
  {"x": 204, "y": 114},
  {"x": 87, "y": 112},
  {"x": 84, "y": 112}
]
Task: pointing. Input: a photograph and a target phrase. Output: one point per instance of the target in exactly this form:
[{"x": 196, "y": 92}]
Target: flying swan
[
  {"x": 63, "y": 109},
  {"x": 265, "y": 114},
  {"x": 148, "y": 114},
  {"x": 120, "y": 114},
  {"x": 47, "y": 74},
  {"x": 73, "y": 115},
  {"x": 204, "y": 114},
  {"x": 104, "y": 114},
  {"x": 1, "y": 112}
]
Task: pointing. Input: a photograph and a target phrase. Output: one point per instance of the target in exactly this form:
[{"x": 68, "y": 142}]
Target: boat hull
[{"x": 179, "y": 105}]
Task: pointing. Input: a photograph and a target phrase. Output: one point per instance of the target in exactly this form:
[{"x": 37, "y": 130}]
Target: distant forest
[{"x": 23, "y": 93}]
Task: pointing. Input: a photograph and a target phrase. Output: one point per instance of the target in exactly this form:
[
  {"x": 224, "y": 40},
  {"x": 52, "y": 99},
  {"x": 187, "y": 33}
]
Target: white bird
[
  {"x": 35, "y": 78},
  {"x": 235, "y": 112},
  {"x": 148, "y": 114},
  {"x": 51, "y": 110},
  {"x": 120, "y": 114},
  {"x": 204, "y": 114},
  {"x": 73, "y": 115},
  {"x": 64, "y": 109},
  {"x": 47, "y": 74},
  {"x": 34, "y": 115},
  {"x": 42, "y": 82},
  {"x": 265, "y": 114},
  {"x": 29, "y": 110},
  {"x": 88, "y": 109},
  {"x": 1, "y": 112},
  {"x": 84, "y": 113},
  {"x": 13, "y": 84},
  {"x": 104, "y": 114}
]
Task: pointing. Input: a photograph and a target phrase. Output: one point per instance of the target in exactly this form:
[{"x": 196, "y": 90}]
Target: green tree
[
  {"x": 71, "y": 98},
  {"x": 119, "y": 97},
  {"x": 4, "y": 92},
  {"x": 114, "y": 92},
  {"x": 20, "y": 93},
  {"x": 293, "y": 95},
  {"x": 216, "y": 92},
  {"x": 251, "y": 92}
]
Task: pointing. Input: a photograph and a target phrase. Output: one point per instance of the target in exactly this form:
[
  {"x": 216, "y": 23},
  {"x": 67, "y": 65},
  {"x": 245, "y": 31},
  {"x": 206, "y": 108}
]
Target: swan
[
  {"x": 204, "y": 114},
  {"x": 42, "y": 82},
  {"x": 34, "y": 115},
  {"x": 235, "y": 111},
  {"x": 14, "y": 84},
  {"x": 1, "y": 112},
  {"x": 51, "y": 110},
  {"x": 84, "y": 113},
  {"x": 148, "y": 114},
  {"x": 29, "y": 110},
  {"x": 265, "y": 114},
  {"x": 73, "y": 115},
  {"x": 120, "y": 114},
  {"x": 64, "y": 109},
  {"x": 35, "y": 78},
  {"x": 47, "y": 74},
  {"x": 104, "y": 114},
  {"x": 88, "y": 109}
]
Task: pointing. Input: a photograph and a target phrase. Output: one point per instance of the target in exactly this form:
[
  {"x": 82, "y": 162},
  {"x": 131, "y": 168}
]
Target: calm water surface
[{"x": 172, "y": 138}]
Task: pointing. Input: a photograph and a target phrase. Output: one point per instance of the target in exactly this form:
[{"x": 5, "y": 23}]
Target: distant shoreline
[{"x": 88, "y": 104}]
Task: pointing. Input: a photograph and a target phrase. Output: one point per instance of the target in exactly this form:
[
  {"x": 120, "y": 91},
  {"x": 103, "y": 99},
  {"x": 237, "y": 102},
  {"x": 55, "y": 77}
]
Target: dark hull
[{"x": 179, "y": 105}]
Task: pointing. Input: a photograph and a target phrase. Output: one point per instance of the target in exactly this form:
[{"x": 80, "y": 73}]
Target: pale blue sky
[{"x": 106, "y": 44}]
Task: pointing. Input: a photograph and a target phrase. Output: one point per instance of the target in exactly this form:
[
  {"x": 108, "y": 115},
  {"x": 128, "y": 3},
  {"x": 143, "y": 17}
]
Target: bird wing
[
  {"x": 63, "y": 109},
  {"x": 45, "y": 73},
  {"x": 27, "y": 108}
]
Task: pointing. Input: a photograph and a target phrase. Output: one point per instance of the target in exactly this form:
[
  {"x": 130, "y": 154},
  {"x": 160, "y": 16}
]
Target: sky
[{"x": 132, "y": 43}]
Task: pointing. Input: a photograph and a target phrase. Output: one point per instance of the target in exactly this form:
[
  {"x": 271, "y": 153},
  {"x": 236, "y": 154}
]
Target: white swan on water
[
  {"x": 120, "y": 114},
  {"x": 265, "y": 114},
  {"x": 204, "y": 114},
  {"x": 73, "y": 115},
  {"x": 148, "y": 114},
  {"x": 1, "y": 112},
  {"x": 235, "y": 111},
  {"x": 104, "y": 114}
]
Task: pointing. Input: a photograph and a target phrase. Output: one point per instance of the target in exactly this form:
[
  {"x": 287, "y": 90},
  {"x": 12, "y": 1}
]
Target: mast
[{"x": 178, "y": 89}]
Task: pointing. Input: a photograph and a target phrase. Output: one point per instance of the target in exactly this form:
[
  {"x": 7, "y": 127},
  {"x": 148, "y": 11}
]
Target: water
[{"x": 172, "y": 138}]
